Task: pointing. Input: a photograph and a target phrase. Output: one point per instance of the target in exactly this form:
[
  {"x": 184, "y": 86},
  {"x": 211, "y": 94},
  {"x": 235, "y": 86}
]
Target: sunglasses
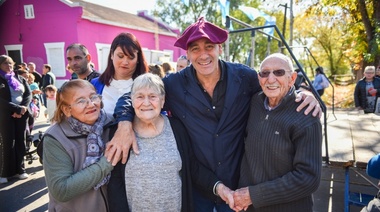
[{"x": 277, "y": 73}]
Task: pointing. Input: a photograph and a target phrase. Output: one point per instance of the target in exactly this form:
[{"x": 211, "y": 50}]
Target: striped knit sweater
[{"x": 282, "y": 161}]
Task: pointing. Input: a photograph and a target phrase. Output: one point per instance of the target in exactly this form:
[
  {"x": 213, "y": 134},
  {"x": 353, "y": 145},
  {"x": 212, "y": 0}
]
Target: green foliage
[
  {"x": 340, "y": 33},
  {"x": 362, "y": 23},
  {"x": 177, "y": 13}
]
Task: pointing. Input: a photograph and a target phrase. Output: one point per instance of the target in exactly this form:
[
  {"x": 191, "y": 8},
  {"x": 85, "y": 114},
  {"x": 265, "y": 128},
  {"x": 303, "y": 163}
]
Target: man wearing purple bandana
[
  {"x": 15, "y": 97},
  {"x": 211, "y": 97}
]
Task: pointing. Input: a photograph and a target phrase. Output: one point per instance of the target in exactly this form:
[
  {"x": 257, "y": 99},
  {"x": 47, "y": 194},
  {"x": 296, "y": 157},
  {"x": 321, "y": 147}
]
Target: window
[
  {"x": 29, "y": 11},
  {"x": 55, "y": 55},
  {"x": 15, "y": 52},
  {"x": 103, "y": 51}
]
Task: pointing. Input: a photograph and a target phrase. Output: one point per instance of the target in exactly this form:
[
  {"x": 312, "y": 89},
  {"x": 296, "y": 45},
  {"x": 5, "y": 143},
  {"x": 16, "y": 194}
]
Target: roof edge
[
  {"x": 144, "y": 14},
  {"x": 172, "y": 34},
  {"x": 70, "y": 3}
]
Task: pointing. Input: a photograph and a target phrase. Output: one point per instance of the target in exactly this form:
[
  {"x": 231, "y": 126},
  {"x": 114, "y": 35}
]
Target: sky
[{"x": 131, "y": 6}]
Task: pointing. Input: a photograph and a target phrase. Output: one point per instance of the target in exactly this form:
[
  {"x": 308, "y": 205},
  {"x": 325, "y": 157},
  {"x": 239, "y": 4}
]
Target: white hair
[{"x": 281, "y": 57}]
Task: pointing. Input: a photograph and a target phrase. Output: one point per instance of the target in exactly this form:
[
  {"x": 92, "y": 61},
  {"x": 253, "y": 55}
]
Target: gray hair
[
  {"x": 369, "y": 68},
  {"x": 148, "y": 80},
  {"x": 281, "y": 57}
]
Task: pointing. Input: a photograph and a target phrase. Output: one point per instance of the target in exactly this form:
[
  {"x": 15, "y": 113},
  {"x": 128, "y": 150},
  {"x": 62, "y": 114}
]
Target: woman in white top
[{"x": 126, "y": 61}]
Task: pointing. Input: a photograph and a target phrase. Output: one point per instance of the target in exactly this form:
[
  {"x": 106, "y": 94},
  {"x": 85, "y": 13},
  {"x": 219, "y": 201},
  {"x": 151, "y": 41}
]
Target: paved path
[{"x": 351, "y": 137}]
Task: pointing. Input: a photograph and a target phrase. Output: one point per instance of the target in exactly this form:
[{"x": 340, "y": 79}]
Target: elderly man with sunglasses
[
  {"x": 281, "y": 166},
  {"x": 211, "y": 98}
]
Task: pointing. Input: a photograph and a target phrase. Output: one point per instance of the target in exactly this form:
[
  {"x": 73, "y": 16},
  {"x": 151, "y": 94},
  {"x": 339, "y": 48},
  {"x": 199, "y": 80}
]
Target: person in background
[
  {"x": 168, "y": 69},
  {"x": 72, "y": 73},
  {"x": 34, "y": 88},
  {"x": 34, "y": 106},
  {"x": 301, "y": 83},
  {"x": 37, "y": 76},
  {"x": 182, "y": 62},
  {"x": 76, "y": 171},
  {"x": 15, "y": 97},
  {"x": 367, "y": 90},
  {"x": 79, "y": 60},
  {"x": 211, "y": 98},
  {"x": 37, "y": 79},
  {"x": 157, "y": 69},
  {"x": 377, "y": 73},
  {"x": 23, "y": 66},
  {"x": 126, "y": 61},
  {"x": 282, "y": 161},
  {"x": 373, "y": 170},
  {"x": 51, "y": 104},
  {"x": 34, "y": 112},
  {"x": 47, "y": 79},
  {"x": 320, "y": 81}
]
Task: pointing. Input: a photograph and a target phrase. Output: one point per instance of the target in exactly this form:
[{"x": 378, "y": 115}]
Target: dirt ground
[{"x": 343, "y": 96}]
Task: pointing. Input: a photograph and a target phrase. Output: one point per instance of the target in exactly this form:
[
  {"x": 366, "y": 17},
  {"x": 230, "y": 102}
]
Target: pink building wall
[{"x": 56, "y": 21}]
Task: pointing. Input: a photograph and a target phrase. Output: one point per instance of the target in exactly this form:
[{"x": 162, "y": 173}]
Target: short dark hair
[
  {"x": 319, "y": 69},
  {"x": 79, "y": 46},
  {"x": 47, "y": 66}
]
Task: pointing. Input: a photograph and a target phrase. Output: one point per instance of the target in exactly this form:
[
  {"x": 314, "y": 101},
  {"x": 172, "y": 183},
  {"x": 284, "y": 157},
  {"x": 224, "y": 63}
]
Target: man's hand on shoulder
[
  {"x": 119, "y": 146},
  {"x": 310, "y": 101}
]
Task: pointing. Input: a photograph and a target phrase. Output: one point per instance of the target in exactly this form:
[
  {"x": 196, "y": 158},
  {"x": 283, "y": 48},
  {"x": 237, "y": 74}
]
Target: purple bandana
[{"x": 12, "y": 81}]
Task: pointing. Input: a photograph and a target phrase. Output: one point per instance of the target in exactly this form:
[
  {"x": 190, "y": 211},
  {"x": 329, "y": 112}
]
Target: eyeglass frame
[
  {"x": 277, "y": 73},
  {"x": 93, "y": 98}
]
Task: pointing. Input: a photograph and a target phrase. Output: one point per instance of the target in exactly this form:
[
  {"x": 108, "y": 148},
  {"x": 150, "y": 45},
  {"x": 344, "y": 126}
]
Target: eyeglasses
[
  {"x": 277, "y": 73},
  {"x": 83, "y": 102}
]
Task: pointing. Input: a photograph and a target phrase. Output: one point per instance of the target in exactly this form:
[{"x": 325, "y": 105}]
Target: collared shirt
[
  {"x": 219, "y": 94},
  {"x": 92, "y": 75},
  {"x": 266, "y": 100}
]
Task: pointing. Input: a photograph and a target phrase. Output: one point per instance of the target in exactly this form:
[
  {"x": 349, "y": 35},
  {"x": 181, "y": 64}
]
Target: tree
[
  {"x": 177, "y": 13},
  {"x": 325, "y": 39},
  {"x": 363, "y": 33}
]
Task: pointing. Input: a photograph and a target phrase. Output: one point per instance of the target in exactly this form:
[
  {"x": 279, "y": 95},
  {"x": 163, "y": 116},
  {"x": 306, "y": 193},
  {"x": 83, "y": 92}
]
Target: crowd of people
[{"x": 209, "y": 136}]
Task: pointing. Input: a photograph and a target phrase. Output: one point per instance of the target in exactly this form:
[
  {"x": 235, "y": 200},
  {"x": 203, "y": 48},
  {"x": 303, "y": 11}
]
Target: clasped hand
[{"x": 237, "y": 200}]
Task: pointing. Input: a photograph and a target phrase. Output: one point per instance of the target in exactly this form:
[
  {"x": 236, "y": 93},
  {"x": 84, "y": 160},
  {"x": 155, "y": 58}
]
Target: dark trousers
[
  {"x": 19, "y": 142},
  {"x": 202, "y": 204},
  {"x": 43, "y": 98},
  {"x": 321, "y": 92}
]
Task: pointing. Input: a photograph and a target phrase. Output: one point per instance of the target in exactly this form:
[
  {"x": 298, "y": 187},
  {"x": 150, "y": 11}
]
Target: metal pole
[
  {"x": 284, "y": 24},
  {"x": 253, "y": 40},
  {"x": 227, "y": 43},
  {"x": 291, "y": 24}
]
